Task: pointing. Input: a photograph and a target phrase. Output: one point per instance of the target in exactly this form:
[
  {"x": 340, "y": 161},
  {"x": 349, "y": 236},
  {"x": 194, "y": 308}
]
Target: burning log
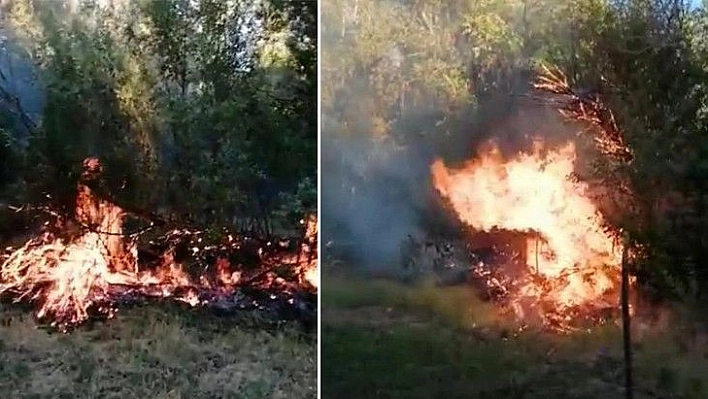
[{"x": 72, "y": 277}]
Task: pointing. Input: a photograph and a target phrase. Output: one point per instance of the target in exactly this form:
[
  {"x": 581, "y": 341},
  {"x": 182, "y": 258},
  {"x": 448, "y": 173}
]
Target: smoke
[
  {"x": 376, "y": 192},
  {"x": 20, "y": 90},
  {"x": 376, "y": 187},
  {"x": 369, "y": 203}
]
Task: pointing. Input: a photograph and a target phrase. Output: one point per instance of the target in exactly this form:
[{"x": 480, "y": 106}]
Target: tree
[
  {"x": 428, "y": 75},
  {"x": 175, "y": 97}
]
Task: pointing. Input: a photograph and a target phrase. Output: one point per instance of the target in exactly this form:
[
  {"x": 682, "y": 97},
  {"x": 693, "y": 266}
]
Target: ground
[
  {"x": 382, "y": 339},
  {"x": 156, "y": 351}
]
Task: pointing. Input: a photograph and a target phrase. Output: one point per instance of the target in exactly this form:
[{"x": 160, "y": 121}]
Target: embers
[
  {"x": 488, "y": 262},
  {"x": 490, "y": 273}
]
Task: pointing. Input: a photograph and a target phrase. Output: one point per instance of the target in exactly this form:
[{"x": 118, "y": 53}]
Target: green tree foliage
[
  {"x": 439, "y": 68},
  {"x": 202, "y": 109}
]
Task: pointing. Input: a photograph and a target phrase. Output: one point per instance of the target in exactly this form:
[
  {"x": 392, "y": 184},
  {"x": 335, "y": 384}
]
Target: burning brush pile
[
  {"x": 565, "y": 265},
  {"x": 566, "y": 270},
  {"x": 90, "y": 273}
]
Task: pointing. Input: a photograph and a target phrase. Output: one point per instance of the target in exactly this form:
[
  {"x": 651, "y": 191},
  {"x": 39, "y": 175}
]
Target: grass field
[
  {"x": 381, "y": 339},
  {"x": 155, "y": 352}
]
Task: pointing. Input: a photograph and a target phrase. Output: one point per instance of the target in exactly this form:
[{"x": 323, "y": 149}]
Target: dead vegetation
[{"x": 155, "y": 352}]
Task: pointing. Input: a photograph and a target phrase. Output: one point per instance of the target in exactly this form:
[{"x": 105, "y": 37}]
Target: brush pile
[{"x": 71, "y": 277}]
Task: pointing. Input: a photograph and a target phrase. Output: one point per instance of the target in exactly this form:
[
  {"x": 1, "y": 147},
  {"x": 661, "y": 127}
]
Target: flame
[
  {"x": 68, "y": 277},
  {"x": 309, "y": 271},
  {"x": 312, "y": 276},
  {"x": 577, "y": 261}
]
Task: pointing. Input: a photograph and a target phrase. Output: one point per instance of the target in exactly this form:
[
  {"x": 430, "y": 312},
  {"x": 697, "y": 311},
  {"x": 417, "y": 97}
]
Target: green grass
[
  {"x": 381, "y": 339},
  {"x": 155, "y": 352}
]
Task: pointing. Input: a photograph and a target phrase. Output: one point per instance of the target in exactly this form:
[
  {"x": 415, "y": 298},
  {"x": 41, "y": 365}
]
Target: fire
[
  {"x": 574, "y": 262},
  {"x": 71, "y": 277},
  {"x": 312, "y": 276},
  {"x": 310, "y": 272}
]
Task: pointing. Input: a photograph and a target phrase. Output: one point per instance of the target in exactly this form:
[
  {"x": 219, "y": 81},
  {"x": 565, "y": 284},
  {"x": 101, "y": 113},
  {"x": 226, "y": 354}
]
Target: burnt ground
[
  {"x": 382, "y": 339},
  {"x": 156, "y": 351}
]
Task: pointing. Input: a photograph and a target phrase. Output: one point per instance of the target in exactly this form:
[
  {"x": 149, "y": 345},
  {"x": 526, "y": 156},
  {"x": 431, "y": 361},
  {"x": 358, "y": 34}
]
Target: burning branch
[
  {"x": 70, "y": 277},
  {"x": 585, "y": 108}
]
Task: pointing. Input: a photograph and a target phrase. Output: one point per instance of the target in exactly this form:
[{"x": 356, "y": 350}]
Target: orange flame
[
  {"x": 69, "y": 276},
  {"x": 532, "y": 193},
  {"x": 310, "y": 271}
]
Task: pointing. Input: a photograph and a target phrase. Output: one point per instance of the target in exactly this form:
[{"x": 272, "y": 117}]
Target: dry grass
[{"x": 155, "y": 352}]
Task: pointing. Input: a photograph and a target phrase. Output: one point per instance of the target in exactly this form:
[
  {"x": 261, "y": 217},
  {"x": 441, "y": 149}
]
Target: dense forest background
[
  {"x": 202, "y": 111},
  {"x": 404, "y": 82}
]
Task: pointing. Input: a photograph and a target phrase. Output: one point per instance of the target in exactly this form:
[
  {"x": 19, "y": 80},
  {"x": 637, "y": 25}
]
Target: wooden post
[
  {"x": 537, "y": 270},
  {"x": 626, "y": 332}
]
